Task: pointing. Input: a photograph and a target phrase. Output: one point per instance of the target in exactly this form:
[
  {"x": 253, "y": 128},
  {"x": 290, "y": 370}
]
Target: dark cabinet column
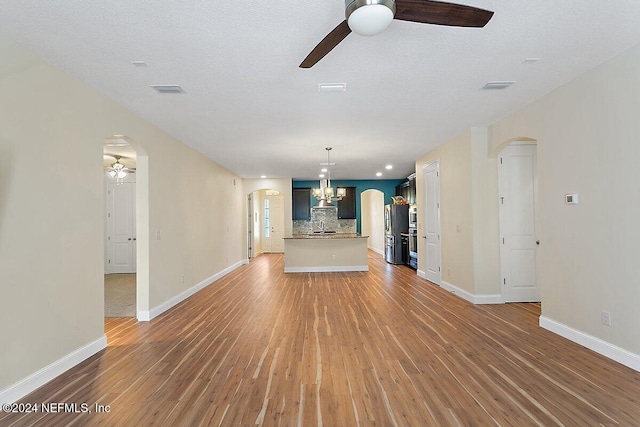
[
  {"x": 347, "y": 206},
  {"x": 302, "y": 203}
]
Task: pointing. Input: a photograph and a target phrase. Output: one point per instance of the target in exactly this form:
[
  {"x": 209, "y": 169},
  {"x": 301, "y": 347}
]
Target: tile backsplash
[{"x": 327, "y": 217}]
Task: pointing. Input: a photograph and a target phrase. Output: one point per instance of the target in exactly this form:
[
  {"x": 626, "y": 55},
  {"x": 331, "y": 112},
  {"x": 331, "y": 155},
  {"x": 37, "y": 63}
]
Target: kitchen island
[{"x": 325, "y": 252}]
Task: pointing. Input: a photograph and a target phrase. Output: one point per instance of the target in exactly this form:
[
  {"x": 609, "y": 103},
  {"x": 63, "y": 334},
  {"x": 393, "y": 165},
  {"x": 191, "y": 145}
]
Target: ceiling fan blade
[
  {"x": 327, "y": 44},
  {"x": 441, "y": 13}
]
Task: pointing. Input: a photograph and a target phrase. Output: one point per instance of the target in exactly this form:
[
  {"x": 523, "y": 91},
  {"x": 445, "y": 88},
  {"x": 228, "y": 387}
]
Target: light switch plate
[{"x": 571, "y": 199}]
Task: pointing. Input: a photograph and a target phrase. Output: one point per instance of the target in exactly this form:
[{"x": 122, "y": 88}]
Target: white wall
[{"x": 52, "y": 211}]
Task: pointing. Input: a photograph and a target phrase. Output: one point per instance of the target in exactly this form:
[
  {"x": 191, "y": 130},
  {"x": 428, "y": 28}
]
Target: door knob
[
  {"x": 129, "y": 238},
  {"x": 134, "y": 238}
]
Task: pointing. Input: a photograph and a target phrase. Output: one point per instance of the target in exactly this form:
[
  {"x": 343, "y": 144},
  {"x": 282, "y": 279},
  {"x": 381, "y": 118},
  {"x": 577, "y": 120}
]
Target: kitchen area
[
  {"x": 336, "y": 236},
  {"x": 401, "y": 226},
  {"x": 325, "y": 237}
]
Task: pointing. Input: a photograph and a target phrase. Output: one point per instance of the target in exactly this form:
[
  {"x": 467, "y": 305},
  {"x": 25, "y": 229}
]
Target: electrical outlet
[{"x": 605, "y": 318}]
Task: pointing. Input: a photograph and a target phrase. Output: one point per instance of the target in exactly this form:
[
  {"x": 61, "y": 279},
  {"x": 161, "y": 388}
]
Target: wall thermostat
[{"x": 571, "y": 199}]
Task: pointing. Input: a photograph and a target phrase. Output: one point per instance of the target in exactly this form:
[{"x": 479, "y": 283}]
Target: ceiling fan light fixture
[{"x": 370, "y": 17}]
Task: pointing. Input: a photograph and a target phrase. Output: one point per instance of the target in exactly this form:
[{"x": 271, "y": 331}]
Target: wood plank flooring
[{"x": 384, "y": 348}]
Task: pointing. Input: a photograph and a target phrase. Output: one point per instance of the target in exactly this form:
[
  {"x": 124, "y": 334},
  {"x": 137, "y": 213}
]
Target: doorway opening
[
  {"x": 265, "y": 231},
  {"x": 120, "y": 263},
  {"x": 372, "y": 203},
  {"x": 518, "y": 207}
]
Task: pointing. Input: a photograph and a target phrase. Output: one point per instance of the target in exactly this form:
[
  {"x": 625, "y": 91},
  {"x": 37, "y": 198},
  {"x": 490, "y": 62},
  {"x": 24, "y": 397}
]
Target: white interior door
[
  {"x": 517, "y": 188},
  {"x": 274, "y": 224},
  {"x": 121, "y": 227},
  {"x": 431, "y": 177},
  {"x": 249, "y": 226}
]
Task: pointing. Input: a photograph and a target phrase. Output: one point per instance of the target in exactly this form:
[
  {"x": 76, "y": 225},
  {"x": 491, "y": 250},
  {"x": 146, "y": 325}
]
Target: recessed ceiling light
[
  {"x": 378, "y": 173},
  {"x": 321, "y": 175},
  {"x": 168, "y": 88},
  {"x": 388, "y": 167},
  {"x": 332, "y": 87},
  {"x": 139, "y": 63},
  {"x": 263, "y": 176},
  {"x": 323, "y": 170},
  {"x": 498, "y": 85}
]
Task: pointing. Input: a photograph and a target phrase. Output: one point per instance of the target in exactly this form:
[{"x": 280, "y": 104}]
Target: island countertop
[
  {"x": 327, "y": 236},
  {"x": 324, "y": 252}
]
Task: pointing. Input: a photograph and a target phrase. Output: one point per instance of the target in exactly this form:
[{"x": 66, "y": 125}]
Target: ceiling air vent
[
  {"x": 497, "y": 85},
  {"x": 332, "y": 87},
  {"x": 168, "y": 88}
]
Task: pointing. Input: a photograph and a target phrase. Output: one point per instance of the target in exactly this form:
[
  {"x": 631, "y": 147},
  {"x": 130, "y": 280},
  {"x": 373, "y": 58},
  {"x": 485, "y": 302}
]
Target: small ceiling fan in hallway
[
  {"x": 118, "y": 169},
  {"x": 371, "y": 17}
]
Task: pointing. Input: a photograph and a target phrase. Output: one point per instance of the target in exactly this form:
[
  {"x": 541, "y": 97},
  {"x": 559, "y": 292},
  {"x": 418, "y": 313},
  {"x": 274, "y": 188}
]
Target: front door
[
  {"x": 121, "y": 227},
  {"x": 274, "y": 224},
  {"x": 431, "y": 177},
  {"x": 517, "y": 188}
]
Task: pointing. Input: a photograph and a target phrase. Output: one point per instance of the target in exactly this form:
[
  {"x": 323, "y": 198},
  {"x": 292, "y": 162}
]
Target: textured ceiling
[{"x": 250, "y": 108}]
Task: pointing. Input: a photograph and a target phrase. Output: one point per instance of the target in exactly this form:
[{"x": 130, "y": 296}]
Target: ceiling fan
[
  {"x": 371, "y": 17},
  {"x": 117, "y": 169}
]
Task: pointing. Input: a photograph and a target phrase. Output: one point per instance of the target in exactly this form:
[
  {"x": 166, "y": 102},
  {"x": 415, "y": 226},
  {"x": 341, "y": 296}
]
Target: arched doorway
[
  {"x": 126, "y": 222},
  {"x": 372, "y": 216},
  {"x": 266, "y": 222}
]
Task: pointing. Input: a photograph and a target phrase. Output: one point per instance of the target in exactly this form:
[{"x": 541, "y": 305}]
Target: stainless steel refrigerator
[{"x": 396, "y": 222}]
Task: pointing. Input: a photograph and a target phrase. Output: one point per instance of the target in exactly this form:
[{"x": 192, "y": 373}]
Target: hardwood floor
[{"x": 339, "y": 349}]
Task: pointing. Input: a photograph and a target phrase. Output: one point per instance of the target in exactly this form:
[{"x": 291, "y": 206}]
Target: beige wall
[
  {"x": 484, "y": 201},
  {"x": 587, "y": 133},
  {"x": 455, "y": 210},
  {"x": 51, "y": 212},
  {"x": 587, "y": 142}
]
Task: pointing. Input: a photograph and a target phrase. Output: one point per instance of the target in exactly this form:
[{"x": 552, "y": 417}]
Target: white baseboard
[
  {"x": 25, "y": 386},
  {"x": 421, "y": 274},
  {"x": 604, "y": 348},
  {"x": 472, "y": 298},
  {"x": 326, "y": 269},
  {"x": 145, "y": 316},
  {"x": 378, "y": 251},
  {"x": 466, "y": 295}
]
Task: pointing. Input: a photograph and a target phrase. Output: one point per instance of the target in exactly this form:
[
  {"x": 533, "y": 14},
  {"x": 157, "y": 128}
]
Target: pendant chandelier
[{"x": 326, "y": 193}]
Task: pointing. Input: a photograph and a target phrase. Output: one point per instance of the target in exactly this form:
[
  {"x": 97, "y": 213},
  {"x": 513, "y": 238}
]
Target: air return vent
[
  {"x": 168, "y": 88},
  {"x": 498, "y": 85}
]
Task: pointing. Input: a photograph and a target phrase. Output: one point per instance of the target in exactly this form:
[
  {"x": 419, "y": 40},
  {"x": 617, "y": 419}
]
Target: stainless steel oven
[
  {"x": 413, "y": 242},
  {"x": 413, "y": 216},
  {"x": 413, "y": 248}
]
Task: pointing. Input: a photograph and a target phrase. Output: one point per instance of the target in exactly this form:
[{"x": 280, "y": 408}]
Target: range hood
[{"x": 323, "y": 204}]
